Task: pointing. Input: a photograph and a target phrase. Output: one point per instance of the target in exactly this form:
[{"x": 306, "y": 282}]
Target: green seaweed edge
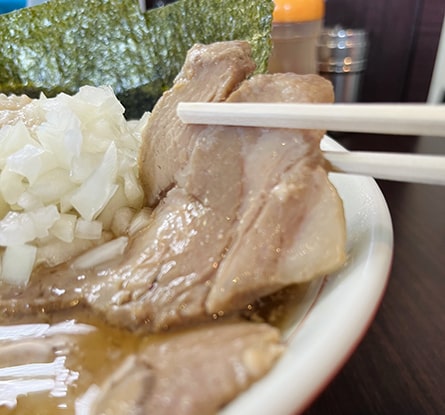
[{"x": 63, "y": 44}]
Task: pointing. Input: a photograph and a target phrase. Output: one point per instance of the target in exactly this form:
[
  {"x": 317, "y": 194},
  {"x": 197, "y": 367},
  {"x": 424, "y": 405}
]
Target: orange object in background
[
  {"x": 297, "y": 25},
  {"x": 298, "y": 10}
]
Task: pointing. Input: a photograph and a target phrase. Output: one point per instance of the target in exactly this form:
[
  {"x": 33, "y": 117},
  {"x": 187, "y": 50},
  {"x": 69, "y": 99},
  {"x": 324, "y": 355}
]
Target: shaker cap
[{"x": 287, "y": 11}]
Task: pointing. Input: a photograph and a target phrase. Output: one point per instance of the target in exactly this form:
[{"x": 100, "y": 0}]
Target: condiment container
[
  {"x": 296, "y": 27},
  {"x": 342, "y": 59}
]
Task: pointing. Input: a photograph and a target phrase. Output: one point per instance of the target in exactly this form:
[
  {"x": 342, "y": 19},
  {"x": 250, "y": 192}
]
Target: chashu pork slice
[
  {"x": 242, "y": 212},
  {"x": 189, "y": 372},
  {"x": 290, "y": 225},
  {"x": 210, "y": 73}
]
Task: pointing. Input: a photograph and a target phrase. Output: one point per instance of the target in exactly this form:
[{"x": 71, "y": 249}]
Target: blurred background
[
  {"x": 404, "y": 42},
  {"x": 404, "y": 38},
  {"x": 405, "y": 58}
]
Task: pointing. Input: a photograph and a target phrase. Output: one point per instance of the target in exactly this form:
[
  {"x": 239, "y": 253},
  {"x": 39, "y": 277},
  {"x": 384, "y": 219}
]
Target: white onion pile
[{"x": 68, "y": 179}]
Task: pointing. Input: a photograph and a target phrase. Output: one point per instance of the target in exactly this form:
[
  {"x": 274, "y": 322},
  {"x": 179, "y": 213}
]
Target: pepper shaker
[{"x": 342, "y": 59}]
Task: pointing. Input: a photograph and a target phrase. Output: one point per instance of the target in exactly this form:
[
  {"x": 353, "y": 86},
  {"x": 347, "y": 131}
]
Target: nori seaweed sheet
[{"x": 64, "y": 44}]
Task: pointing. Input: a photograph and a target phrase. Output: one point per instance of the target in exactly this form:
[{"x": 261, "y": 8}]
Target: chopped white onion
[
  {"x": 44, "y": 218},
  {"x": 16, "y": 229},
  {"x": 12, "y": 139},
  {"x": 11, "y": 186},
  {"x": 118, "y": 201},
  {"x": 63, "y": 228},
  {"x": 61, "y": 134},
  {"x": 52, "y": 251},
  {"x": 19, "y": 228},
  {"x": 86, "y": 229},
  {"x": 84, "y": 166},
  {"x": 51, "y": 186},
  {"x": 97, "y": 190},
  {"x": 133, "y": 190},
  {"x": 121, "y": 220},
  {"x": 26, "y": 162},
  {"x": 140, "y": 221},
  {"x": 102, "y": 253},
  {"x": 27, "y": 201},
  {"x": 17, "y": 263},
  {"x": 69, "y": 178}
]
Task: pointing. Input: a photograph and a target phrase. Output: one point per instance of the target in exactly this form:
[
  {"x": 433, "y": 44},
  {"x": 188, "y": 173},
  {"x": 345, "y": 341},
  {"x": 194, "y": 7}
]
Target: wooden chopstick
[
  {"x": 407, "y": 119},
  {"x": 413, "y": 168}
]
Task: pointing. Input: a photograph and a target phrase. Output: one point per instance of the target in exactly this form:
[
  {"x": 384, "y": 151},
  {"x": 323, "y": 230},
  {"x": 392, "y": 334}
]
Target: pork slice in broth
[
  {"x": 244, "y": 211},
  {"x": 190, "y": 372}
]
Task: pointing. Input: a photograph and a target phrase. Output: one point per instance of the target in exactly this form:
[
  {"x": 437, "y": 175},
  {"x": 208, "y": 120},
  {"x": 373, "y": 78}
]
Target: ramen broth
[{"x": 94, "y": 354}]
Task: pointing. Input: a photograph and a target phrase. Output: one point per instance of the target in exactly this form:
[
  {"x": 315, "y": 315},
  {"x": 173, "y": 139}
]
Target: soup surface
[{"x": 52, "y": 368}]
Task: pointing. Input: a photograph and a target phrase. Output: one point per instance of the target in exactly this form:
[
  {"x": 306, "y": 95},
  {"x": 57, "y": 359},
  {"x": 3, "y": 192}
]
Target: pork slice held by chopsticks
[{"x": 290, "y": 225}]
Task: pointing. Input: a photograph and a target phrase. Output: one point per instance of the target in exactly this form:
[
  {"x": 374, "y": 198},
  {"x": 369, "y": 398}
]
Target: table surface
[{"x": 399, "y": 367}]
